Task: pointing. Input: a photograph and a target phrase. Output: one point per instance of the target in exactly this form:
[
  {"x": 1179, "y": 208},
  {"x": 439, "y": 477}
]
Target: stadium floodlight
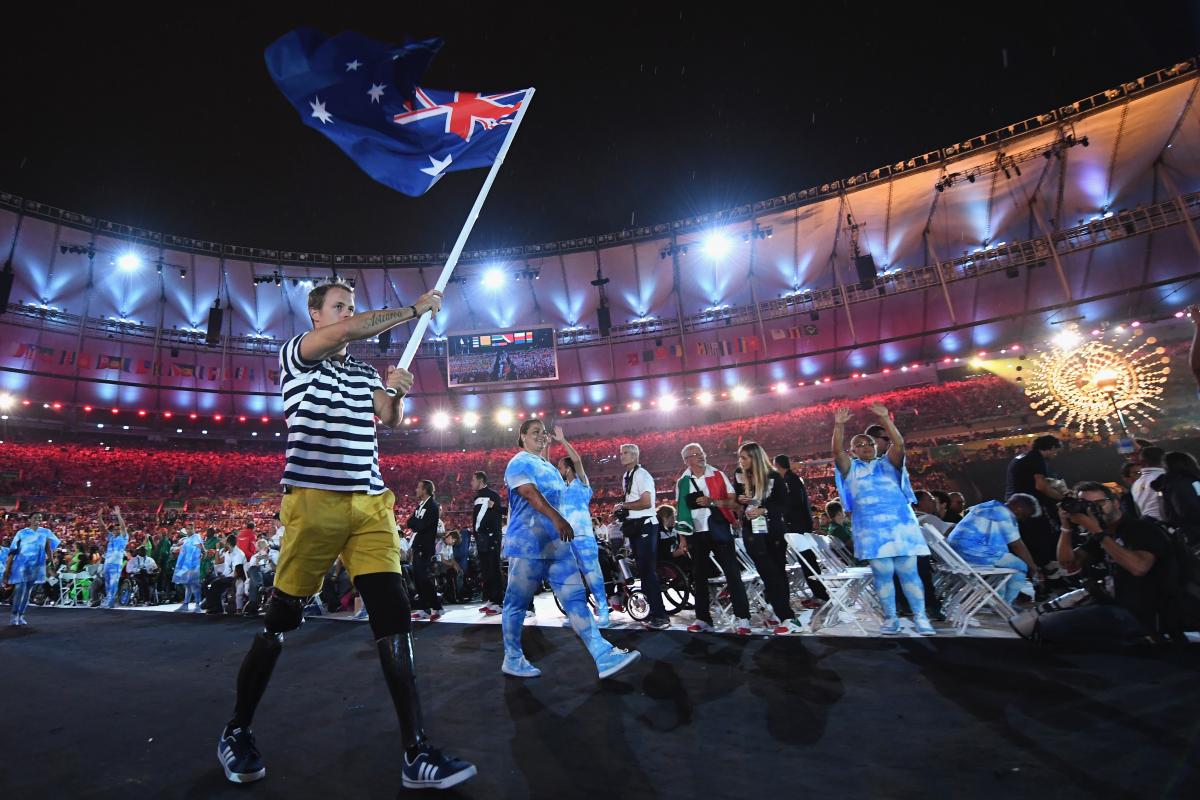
[
  {"x": 504, "y": 417},
  {"x": 470, "y": 419},
  {"x": 494, "y": 278},
  {"x": 717, "y": 245},
  {"x": 636, "y": 405},
  {"x": 128, "y": 262},
  {"x": 739, "y": 393},
  {"x": 667, "y": 402},
  {"x": 7, "y": 401},
  {"x": 440, "y": 420},
  {"x": 781, "y": 387},
  {"x": 705, "y": 398}
]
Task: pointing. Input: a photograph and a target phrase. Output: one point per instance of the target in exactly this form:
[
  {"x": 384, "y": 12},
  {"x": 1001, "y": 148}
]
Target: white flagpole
[{"x": 410, "y": 351}]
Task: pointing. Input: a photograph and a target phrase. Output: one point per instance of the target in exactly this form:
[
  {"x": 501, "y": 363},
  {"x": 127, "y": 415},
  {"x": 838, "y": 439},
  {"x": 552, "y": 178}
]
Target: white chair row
[{"x": 966, "y": 590}]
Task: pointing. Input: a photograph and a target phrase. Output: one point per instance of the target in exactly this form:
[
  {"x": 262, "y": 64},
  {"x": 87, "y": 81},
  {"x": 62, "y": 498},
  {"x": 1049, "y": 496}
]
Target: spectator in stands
[
  {"x": 486, "y": 522},
  {"x": 764, "y": 495},
  {"x": 989, "y": 536},
  {"x": 707, "y": 501},
  {"x": 800, "y": 527},
  {"x": 1129, "y": 475},
  {"x": 1030, "y": 473},
  {"x": 839, "y": 524},
  {"x": 1148, "y": 500},
  {"x": 955, "y": 508},
  {"x": 1180, "y": 490},
  {"x": 877, "y": 491},
  {"x": 638, "y": 526},
  {"x": 247, "y": 539}
]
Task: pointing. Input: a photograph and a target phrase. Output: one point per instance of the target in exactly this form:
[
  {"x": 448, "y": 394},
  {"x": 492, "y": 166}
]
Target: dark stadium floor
[{"x": 117, "y": 705}]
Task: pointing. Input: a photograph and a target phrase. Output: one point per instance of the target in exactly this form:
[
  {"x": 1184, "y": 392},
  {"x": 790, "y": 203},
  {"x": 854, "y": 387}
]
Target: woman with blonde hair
[{"x": 764, "y": 495}]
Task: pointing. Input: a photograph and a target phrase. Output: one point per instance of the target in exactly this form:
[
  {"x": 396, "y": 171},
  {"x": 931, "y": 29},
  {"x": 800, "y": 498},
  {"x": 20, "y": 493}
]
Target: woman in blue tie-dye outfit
[
  {"x": 576, "y": 508},
  {"x": 26, "y": 564},
  {"x": 187, "y": 566},
  {"x": 536, "y": 546},
  {"x": 876, "y": 491}
]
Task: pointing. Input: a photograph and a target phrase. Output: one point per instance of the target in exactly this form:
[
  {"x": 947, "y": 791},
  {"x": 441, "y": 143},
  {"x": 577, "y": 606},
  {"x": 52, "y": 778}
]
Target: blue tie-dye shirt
[
  {"x": 187, "y": 563},
  {"x": 530, "y": 533},
  {"x": 29, "y": 561},
  {"x": 577, "y": 509},
  {"x": 879, "y": 497},
  {"x": 983, "y": 535}
]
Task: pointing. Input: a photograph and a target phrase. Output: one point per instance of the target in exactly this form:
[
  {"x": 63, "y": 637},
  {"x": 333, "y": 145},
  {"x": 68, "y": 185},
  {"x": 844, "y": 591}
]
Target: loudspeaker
[
  {"x": 604, "y": 320},
  {"x": 215, "y": 315},
  {"x": 865, "y": 265},
  {"x": 6, "y": 282}
]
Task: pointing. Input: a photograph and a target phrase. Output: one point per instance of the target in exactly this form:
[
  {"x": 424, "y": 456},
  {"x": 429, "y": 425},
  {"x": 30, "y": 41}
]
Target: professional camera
[
  {"x": 1077, "y": 505},
  {"x": 621, "y": 514}
]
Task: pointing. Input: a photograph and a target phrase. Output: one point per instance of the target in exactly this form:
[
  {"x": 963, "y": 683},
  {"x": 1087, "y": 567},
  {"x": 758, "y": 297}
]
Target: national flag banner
[
  {"x": 522, "y": 336},
  {"x": 677, "y": 350},
  {"x": 108, "y": 362},
  {"x": 143, "y": 366},
  {"x": 725, "y": 347},
  {"x": 740, "y": 344},
  {"x": 778, "y": 334},
  {"x": 754, "y": 343},
  {"x": 183, "y": 370},
  {"x": 273, "y": 375},
  {"x": 251, "y": 371},
  {"x": 660, "y": 352},
  {"x": 214, "y": 373},
  {"x": 86, "y": 361},
  {"x": 632, "y": 359},
  {"x": 648, "y": 356},
  {"x": 44, "y": 354},
  {"x": 363, "y": 95},
  {"x": 67, "y": 358},
  {"x": 127, "y": 365},
  {"x": 485, "y": 341},
  {"x": 23, "y": 349},
  {"x": 239, "y": 373}
]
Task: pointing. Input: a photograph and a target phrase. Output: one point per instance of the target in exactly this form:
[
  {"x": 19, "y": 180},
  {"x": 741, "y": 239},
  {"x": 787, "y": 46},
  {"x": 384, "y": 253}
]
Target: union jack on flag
[{"x": 363, "y": 96}]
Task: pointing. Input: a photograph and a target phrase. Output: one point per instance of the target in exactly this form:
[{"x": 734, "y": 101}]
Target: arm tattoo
[{"x": 381, "y": 318}]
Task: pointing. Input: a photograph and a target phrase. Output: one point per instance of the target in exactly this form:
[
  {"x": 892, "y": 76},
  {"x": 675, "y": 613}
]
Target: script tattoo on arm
[{"x": 385, "y": 319}]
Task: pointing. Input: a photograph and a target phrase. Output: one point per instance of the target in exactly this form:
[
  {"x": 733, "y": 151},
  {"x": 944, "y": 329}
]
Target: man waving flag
[{"x": 364, "y": 96}]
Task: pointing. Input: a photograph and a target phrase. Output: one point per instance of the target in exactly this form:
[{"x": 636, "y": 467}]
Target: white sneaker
[
  {"x": 788, "y": 627},
  {"x": 771, "y": 621},
  {"x": 742, "y": 627}
]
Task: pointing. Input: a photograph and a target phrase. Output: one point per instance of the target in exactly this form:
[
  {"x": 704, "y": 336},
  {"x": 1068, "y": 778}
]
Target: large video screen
[{"x": 491, "y": 357}]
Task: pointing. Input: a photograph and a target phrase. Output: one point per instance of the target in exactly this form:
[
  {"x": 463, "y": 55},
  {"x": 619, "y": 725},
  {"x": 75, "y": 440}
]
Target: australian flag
[{"x": 364, "y": 96}]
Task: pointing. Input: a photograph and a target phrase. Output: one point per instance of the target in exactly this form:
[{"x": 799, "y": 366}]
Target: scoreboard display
[{"x": 494, "y": 357}]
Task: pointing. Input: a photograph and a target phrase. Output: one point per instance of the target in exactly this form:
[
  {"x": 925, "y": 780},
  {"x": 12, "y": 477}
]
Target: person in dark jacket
[
  {"x": 427, "y": 606},
  {"x": 764, "y": 495},
  {"x": 1180, "y": 488},
  {"x": 799, "y": 521}
]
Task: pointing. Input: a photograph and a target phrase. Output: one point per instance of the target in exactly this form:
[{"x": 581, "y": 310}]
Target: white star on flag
[
  {"x": 376, "y": 91},
  {"x": 318, "y": 111},
  {"x": 352, "y": 66},
  {"x": 436, "y": 167}
]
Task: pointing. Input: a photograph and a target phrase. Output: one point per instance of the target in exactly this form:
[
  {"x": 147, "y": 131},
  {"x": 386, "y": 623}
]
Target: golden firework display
[{"x": 1087, "y": 384}]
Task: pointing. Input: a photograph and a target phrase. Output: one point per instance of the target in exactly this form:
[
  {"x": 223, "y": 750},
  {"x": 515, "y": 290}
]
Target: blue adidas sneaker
[
  {"x": 432, "y": 769},
  {"x": 239, "y": 757}
]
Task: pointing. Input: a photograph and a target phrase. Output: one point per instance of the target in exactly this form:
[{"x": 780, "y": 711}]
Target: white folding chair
[
  {"x": 848, "y": 588},
  {"x": 969, "y": 589},
  {"x": 755, "y": 590}
]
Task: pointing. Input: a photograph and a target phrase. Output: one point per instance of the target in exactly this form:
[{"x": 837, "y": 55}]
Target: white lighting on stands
[
  {"x": 739, "y": 393},
  {"x": 470, "y": 419},
  {"x": 504, "y": 417},
  {"x": 128, "y": 262},
  {"x": 704, "y": 398},
  {"x": 7, "y": 401},
  {"x": 635, "y": 406},
  {"x": 1067, "y": 339},
  {"x": 717, "y": 245},
  {"x": 667, "y": 402},
  {"x": 493, "y": 278},
  {"x": 781, "y": 387},
  {"x": 440, "y": 421}
]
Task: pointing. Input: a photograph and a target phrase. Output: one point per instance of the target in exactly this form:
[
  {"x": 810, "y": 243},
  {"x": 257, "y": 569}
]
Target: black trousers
[
  {"x": 768, "y": 551},
  {"x": 142, "y": 579},
  {"x": 643, "y": 539},
  {"x": 701, "y": 544},
  {"x": 422, "y": 561},
  {"x": 214, "y": 603},
  {"x": 493, "y": 581}
]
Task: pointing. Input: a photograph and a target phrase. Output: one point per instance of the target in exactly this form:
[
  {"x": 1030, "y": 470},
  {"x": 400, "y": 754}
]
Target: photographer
[
  {"x": 1124, "y": 606},
  {"x": 638, "y": 526}
]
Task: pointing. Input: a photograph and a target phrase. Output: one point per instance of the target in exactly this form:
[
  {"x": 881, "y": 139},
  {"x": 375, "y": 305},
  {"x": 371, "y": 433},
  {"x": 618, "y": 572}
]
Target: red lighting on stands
[
  {"x": 26, "y": 402},
  {"x": 57, "y": 406},
  {"x": 216, "y": 417},
  {"x": 87, "y": 408},
  {"x": 266, "y": 420},
  {"x": 193, "y": 415},
  {"x": 116, "y": 411},
  {"x": 241, "y": 419},
  {"x": 167, "y": 415},
  {"x": 141, "y": 412}
]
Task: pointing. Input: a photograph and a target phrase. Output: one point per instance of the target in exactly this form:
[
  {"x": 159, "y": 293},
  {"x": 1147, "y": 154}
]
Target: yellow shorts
[{"x": 320, "y": 524}]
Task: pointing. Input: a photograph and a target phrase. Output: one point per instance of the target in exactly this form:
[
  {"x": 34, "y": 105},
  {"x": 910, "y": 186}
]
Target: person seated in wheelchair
[
  {"x": 142, "y": 568},
  {"x": 1124, "y": 563},
  {"x": 447, "y": 566},
  {"x": 672, "y": 548}
]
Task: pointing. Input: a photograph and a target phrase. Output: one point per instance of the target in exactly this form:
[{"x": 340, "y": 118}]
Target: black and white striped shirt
[{"x": 330, "y": 416}]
